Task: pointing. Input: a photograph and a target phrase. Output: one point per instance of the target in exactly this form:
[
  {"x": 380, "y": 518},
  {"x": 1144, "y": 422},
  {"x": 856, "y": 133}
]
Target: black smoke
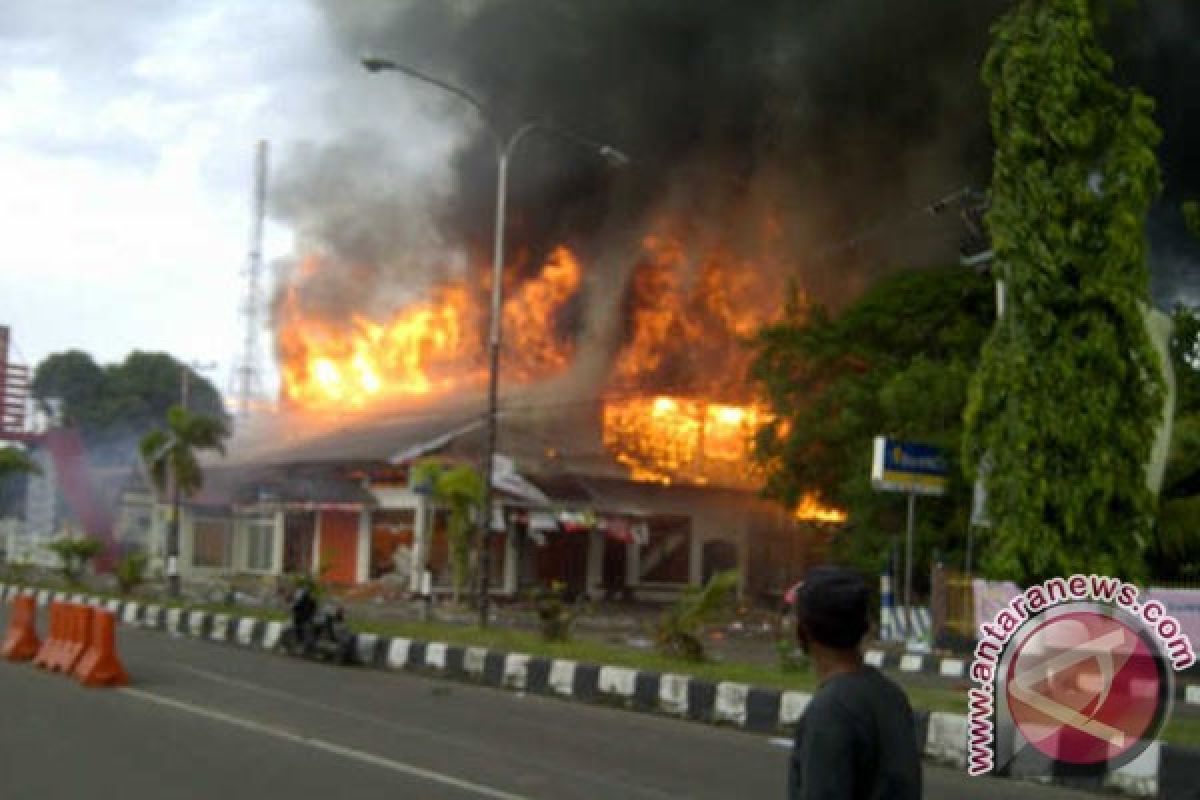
[{"x": 840, "y": 120}]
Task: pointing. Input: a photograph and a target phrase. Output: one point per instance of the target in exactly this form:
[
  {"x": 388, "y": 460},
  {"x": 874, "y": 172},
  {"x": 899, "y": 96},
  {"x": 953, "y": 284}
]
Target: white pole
[{"x": 908, "y": 564}]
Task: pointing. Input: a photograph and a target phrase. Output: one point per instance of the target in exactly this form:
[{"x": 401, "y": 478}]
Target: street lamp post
[{"x": 504, "y": 149}]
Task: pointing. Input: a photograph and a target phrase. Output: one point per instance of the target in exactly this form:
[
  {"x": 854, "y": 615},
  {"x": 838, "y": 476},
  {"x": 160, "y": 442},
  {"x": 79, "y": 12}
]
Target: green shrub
[
  {"x": 679, "y": 630},
  {"x": 131, "y": 571},
  {"x": 555, "y": 617},
  {"x": 74, "y": 556},
  {"x": 17, "y": 572}
]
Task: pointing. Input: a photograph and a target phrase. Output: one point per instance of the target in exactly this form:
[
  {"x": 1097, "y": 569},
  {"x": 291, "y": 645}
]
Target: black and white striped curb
[{"x": 1162, "y": 771}]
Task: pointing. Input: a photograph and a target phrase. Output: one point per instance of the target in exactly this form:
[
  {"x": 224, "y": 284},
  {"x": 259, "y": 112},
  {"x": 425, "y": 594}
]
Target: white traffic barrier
[
  {"x": 1140, "y": 776},
  {"x": 619, "y": 681},
  {"x": 435, "y": 655},
  {"x": 245, "y": 631},
  {"x": 364, "y": 647},
  {"x": 474, "y": 660},
  {"x": 195, "y": 622},
  {"x": 673, "y": 693},
  {"x": 271, "y": 635},
  {"x": 792, "y": 705},
  {"x": 397, "y": 654},
  {"x": 730, "y": 704},
  {"x": 219, "y": 630},
  {"x": 516, "y": 671},
  {"x": 951, "y": 668},
  {"x": 562, "y": 676},
  {"x": 946, "y": 739}
]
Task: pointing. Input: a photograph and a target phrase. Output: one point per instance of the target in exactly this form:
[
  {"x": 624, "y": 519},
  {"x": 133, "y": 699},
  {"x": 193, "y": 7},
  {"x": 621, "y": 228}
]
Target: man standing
[{"x": 856, "y": 740}]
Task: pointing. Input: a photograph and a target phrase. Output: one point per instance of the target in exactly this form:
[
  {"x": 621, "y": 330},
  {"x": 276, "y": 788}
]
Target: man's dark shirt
[{"x": 856, "y": 741}]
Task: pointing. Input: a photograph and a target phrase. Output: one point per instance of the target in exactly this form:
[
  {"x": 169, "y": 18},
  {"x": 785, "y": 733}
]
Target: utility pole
[{"x": 505, "y": 143}]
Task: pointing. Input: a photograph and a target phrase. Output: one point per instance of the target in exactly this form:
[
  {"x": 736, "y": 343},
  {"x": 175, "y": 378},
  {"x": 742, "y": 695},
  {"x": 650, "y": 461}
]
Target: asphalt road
[{"x": 210, "y": 721}]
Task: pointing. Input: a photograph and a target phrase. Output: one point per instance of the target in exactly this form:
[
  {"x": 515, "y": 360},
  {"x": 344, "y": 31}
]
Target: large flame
[
  {"x": 690, "y": 311},
  {"x": 677, "y": 406},
  {"x": 427, "y": 347}
]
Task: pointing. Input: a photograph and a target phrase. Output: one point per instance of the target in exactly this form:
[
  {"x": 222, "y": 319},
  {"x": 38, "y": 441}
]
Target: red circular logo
[{"x": 1085, "y": 687}]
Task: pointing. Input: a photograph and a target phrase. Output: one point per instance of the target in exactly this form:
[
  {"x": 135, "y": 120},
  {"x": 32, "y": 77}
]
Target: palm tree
[
  {"x": 460, "y": 489},
  {"x": 170, "y": 456}
]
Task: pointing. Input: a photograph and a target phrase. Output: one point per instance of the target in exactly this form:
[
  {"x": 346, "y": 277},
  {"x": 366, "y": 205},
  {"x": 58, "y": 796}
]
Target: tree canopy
[
  {"x": 116, "y": 404},
  {"x": 1069, "y": 390},
  {"x": 895, "y": 362}
]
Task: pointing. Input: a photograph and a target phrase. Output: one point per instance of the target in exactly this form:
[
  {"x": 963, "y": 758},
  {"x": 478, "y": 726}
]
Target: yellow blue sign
[{"x": 908, "y": 467}]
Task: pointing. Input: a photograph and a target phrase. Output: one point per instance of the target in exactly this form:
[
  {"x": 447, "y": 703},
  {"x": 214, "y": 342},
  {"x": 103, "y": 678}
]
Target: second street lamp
[{"x": 505, "y": 145}]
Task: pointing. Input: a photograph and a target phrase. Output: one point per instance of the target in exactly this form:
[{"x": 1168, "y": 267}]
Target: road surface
[{"x": 204, "y": 720}]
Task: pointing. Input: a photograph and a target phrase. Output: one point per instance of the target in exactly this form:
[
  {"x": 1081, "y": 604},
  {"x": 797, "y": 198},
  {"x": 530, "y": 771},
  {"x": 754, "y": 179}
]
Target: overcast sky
[{"x": 127, "y": 135}]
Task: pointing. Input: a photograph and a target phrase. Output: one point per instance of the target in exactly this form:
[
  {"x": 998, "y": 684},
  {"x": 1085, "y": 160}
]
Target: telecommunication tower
[{"x": 247, "y": 387}]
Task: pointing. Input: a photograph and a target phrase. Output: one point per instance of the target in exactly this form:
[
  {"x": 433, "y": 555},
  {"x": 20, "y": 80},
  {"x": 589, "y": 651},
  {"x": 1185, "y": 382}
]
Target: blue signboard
[{"x": 908, "y": 467}]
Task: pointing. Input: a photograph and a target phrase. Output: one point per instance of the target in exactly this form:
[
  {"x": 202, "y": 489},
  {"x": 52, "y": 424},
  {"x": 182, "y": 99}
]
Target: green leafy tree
[
  {"x": 458, "y": 488},
  {"x": 170, "y": 455},
  {"x": 1069, "y": 390},
  {"x": 896, "y": 362},
  {"x": 1175, "y": 551},
  {"x": 115, "y": 405}
]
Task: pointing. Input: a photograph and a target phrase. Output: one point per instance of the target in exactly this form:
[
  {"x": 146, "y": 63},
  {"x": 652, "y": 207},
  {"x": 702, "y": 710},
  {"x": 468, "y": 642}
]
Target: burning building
[{"x": 632, "y": 479}]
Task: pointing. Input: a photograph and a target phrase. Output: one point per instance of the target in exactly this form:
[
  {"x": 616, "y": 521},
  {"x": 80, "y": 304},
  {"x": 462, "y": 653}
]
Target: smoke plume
[{"x": 805, "y": 138}]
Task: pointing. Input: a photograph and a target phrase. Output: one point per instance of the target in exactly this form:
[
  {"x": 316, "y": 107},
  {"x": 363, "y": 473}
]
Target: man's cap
[{"x": 832, "y": 605}]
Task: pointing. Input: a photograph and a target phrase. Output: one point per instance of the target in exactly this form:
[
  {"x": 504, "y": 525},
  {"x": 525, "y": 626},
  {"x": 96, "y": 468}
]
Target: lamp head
[{"x": 375, "y": 64}]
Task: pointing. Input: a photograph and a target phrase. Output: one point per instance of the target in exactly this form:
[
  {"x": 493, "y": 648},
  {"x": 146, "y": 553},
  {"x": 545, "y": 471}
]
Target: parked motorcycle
[{"x": 317, "y": 633}]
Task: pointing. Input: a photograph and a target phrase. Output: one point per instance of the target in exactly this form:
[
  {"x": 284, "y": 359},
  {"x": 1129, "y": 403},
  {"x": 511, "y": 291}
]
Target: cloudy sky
[{"x": 127, "y": 135}]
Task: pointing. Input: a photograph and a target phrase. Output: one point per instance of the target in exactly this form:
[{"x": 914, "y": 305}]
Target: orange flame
[
  {"x": 532, "y": 345},
  {"x": 664, "y": 438},
  {"x": 811, "y": 510},
  {"x": 690, "y": 311},
  {"x": 426, "y": 347}
]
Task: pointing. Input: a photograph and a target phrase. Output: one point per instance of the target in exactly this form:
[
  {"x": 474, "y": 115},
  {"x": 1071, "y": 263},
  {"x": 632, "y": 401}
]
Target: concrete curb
[{"x": 1163, "y": 771}]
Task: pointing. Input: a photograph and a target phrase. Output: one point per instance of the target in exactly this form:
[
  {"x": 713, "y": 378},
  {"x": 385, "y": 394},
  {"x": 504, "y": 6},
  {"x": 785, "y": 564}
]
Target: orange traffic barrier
[
  {"x": 21, "y": 641},
  {"x": 100, "y": 665},
  {"x": 54, "y": 637},
  {"x": 78, "y": 635}
]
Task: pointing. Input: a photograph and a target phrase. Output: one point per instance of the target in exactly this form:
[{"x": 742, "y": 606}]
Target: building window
[
  {"x": 260, "y": 543},
  {"x": 392, "y": 534},
  {"x": 666, "y": 557},
  {"x": 212, "y": 543}
]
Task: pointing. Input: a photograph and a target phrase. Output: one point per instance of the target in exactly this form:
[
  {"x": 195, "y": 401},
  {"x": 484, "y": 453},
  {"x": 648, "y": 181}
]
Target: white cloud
[
  {"x": 127, "y": 134},
  {"x": 126, "y": 143}
]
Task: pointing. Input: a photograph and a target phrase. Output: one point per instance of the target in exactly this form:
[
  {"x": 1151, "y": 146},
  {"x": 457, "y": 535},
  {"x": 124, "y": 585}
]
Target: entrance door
[
  {"x": 614, "y": 567},
  {"x": 299, "y": 532},
  {"x": 339, "y": 546}
]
